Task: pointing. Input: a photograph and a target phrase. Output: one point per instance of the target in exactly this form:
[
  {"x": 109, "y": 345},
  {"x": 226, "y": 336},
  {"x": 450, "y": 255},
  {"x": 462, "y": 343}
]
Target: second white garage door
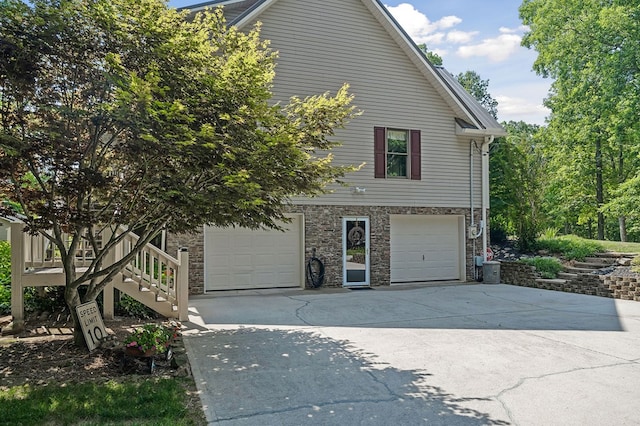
[
  {"x": 240, "y": 258},
  {"x": 426, "y": 248}
]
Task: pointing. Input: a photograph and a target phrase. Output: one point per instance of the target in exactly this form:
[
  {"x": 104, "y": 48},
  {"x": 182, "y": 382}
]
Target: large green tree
[
  {"x": 121, "y": 113},
  {"x": 479, "y": 89},
  {"x": 517, "y": 166},
  {"x": 592, "y": 50},
  {"x": 433, "y": 57}
]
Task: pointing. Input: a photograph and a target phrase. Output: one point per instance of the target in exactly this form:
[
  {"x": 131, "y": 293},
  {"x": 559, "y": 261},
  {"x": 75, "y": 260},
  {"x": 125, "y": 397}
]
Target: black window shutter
[
  {"x": 415, "y": 155},
  {"x": 379, "y": 152}
]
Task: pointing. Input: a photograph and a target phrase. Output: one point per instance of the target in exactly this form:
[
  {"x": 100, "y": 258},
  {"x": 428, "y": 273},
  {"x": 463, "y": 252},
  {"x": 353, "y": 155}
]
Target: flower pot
[{"x": 134, "y": 351}]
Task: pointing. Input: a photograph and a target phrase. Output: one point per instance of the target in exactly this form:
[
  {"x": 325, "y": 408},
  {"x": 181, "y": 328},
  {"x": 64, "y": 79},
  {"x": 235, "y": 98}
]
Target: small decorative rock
[{"x": 624, "y": 261}]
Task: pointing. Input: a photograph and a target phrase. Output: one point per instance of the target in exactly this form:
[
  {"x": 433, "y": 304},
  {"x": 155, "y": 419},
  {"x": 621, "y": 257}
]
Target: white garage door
[
  {"x": 425, "y": 248},
  {"x": 240, "y": 258}
]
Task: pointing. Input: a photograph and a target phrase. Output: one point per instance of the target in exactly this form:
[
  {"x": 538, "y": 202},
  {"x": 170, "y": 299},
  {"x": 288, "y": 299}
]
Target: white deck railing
[
  {"x": 35, "y": 261},
  {"x": 40, "y": 252},
  {"x": 153, "y": 269}
]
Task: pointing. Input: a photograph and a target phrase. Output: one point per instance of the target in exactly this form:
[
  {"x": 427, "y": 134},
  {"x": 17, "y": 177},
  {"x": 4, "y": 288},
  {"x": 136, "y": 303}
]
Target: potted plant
[{"x": 150, "y": 339}]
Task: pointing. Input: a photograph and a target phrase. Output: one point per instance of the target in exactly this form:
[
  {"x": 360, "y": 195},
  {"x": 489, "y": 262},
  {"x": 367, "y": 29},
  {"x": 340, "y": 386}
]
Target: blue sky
[{"x": 479, "y": 35}]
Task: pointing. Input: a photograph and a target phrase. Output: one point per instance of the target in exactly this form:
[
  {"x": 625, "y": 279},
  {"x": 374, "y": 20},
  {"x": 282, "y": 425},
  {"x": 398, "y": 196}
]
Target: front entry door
[{"x": 355, "y": 251}]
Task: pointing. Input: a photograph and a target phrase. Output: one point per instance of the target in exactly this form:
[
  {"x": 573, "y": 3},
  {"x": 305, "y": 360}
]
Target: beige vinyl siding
[{"x": 323, "y": 44}]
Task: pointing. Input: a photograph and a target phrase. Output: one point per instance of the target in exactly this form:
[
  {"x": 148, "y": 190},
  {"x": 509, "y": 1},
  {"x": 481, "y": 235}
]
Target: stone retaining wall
[
  {"x": 626, "y": 287},
  {"x": 516, "y": 273}
]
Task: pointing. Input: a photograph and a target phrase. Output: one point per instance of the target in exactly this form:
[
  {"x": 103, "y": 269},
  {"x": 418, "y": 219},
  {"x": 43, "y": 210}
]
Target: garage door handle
[{"x": 423, "y": 257}]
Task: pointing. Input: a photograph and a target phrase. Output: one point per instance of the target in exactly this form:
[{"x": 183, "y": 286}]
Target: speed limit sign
[{"x": 91, "y": 324}]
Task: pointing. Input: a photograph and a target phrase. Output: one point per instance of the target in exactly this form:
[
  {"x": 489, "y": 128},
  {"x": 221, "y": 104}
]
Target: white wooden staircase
[{"x": 152, "y": 277}]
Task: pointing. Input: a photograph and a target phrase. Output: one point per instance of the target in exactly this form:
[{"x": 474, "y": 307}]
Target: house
[{"x": 416, "y": 211}]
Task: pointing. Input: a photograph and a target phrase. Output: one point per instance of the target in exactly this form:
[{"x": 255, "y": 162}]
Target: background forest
[{"x": 580, "y": 173}]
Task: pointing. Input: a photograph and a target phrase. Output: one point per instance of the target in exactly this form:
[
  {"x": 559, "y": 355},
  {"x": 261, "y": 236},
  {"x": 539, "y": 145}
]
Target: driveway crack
[
  {"x": 498, "y": 397},
  {"x": 300, "y": 308}
]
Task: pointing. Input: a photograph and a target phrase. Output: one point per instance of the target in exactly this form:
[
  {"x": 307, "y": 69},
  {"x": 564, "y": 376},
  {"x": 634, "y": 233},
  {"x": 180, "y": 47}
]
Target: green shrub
[
  {"x": 547, "y": 267},
  {"x": 5, "y": 299},
  {"x": 130, "y": 307},
  {"x": 550, "y": 233},
  {"x": 5, "y": 278},
  {"x": 50, "y": 299},
  {"x": 5, "y": 263},
  {"x": 569, "y": 247}
]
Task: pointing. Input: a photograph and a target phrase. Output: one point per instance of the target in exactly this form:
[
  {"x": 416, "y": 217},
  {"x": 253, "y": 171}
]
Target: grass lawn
[
  {"x": 574, "y": 247},
  {"x": 619, "y": 247},
  {"x": 144, "y": 401}
]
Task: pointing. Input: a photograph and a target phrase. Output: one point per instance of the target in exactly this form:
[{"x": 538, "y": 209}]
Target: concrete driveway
[{"x": 450, "y": 355}]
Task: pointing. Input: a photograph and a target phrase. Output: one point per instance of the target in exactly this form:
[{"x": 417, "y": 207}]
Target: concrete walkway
[{"x": 449, "y": 355}]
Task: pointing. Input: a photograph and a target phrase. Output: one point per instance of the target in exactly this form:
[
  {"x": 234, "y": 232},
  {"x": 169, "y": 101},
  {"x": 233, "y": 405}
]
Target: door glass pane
[{"x": 356, "y": 244}]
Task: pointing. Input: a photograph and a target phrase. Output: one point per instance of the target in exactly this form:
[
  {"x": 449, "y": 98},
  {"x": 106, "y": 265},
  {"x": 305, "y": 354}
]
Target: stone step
[
  {"x": 589, "y": 265},
  {"x": 574, "y": 270},
  {"x": 601, "y": 260},
  {"x": 567, "y": 276},
  {"x": 555, "y": 281},
  {"x": 615, "y": 255}
]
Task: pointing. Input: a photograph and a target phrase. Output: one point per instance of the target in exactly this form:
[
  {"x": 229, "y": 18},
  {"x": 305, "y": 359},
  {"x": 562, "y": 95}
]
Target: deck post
[
  {"x": 183, "y": 284},
  {"x": 108, "y": 307},
  {"x": 17, "y": 269}
]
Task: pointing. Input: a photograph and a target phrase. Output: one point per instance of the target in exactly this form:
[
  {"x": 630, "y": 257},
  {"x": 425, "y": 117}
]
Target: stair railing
[{"x": 151, "y": 268}]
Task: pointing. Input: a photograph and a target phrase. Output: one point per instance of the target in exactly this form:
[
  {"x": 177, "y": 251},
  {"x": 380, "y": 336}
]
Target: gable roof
[
  {"x": 476, "y": 119},
  {"x": 233, "y": 9},
  {"x": 478, "y": 111}
]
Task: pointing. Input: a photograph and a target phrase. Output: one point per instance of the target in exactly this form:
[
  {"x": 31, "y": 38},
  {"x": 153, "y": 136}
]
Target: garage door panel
[
  {"x": 240, "y": 258},
  {"x": 425, "y": 248}
]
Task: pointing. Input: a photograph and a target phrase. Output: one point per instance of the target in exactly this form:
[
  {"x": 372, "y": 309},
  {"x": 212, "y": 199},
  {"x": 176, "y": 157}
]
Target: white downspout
[
  {"x": 476, "y": 232},
  {"x": 485, "y": 192},
  {"x": 473, "y": 222}
]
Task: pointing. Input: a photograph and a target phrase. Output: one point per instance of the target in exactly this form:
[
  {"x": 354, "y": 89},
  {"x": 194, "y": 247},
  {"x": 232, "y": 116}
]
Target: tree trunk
[
  {"x": 622, "y": 221},
  {"x": 72, "y": 298},
  {"x": 71, "y": 295},
  {"x": 599, "y": 189}
]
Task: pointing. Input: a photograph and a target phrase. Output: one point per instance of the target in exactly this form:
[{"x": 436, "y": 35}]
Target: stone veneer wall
[
  {"x": 195, "y": 244},
  {"x": 626, "y": 287},
  {"x": 323, "y": 231},
  {"x": 516, "y": 273}
]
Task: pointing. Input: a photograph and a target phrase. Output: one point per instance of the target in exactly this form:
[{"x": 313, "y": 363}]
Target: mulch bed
[{"x": 44, "y": 353}]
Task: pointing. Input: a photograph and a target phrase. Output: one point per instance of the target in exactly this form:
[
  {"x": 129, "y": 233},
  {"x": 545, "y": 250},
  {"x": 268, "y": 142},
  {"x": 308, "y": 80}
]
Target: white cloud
[
  {"x": 441, "y": 52},
  {"x": 520, "y": 29},
  {"x": 496, "y": 49},
  {"x": 447, "y": 22},
  {"x": 460, "y": 37},
  {"x": 418, "y": 26},
  {"x": 516, "y": 109},
  {"x": 435, "y": 38}
]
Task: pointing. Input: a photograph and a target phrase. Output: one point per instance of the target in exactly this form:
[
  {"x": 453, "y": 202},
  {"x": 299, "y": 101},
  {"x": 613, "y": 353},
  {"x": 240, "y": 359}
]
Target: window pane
[
  {"x": 397, "y": 165},
  {"x": 397, "y": 141}
]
